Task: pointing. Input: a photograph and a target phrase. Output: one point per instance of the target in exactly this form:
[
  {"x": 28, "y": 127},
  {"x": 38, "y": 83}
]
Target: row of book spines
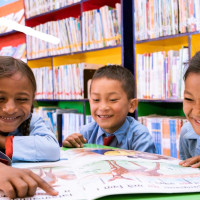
[
  {"x": 154, "y": 19},
  {"x": 69, "y": 31},
  {"x": 165, "y": 132},
  {"x": 179, "y": 16},
  {"x": 169, "y": 69},
  {"x": 16, "y": 52},
  {"x": 36, "y": 7},
  {"x": 94, "y": 44},
  {"x": 105, "y": 23},
  {"x": 60, "y": 82},
  {"x": 63, "y": 122}
]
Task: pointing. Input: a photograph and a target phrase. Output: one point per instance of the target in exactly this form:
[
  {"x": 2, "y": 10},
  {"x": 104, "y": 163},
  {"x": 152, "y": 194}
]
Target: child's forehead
[
  {"x": 17, "y": 76},
  {"x": 106, "y": 85},
  {"x": 107, "y": 82},
  {"x": 107, "y": 79},
  {"x": 16, "y": 79}
]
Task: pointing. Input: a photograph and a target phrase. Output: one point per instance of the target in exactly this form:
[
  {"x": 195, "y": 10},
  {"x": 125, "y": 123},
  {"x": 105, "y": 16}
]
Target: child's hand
[
  {"x": 74, "y": 140},
  {"x": 21, "y": 182},
  {"x": 191, "y": 162}
]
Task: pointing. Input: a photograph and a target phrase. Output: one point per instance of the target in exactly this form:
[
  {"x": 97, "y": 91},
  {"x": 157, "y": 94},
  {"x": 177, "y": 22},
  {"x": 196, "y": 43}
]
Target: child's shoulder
[
  {"x": 187, "y": 131},
  {"x": 136, "y": 124},
  {"x": 35, "y": 117}
]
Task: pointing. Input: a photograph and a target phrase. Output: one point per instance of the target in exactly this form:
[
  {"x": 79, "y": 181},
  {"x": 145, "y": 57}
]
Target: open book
[{"x": 90, "y": 173}]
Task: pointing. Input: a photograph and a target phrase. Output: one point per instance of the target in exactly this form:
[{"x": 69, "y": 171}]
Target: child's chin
[{"x": 7, "y": 130}]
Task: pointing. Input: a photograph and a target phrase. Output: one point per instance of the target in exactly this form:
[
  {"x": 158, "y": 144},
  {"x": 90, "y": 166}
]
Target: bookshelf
[
  {"x": 114, "y": 54},
  {"x": 186, "y": 38},
  {"x": 123, "y": 48},
  {"x": 166, "y": 29},
  {"x": 12, "y": 42},
  {"x": 115, "y": 47}
]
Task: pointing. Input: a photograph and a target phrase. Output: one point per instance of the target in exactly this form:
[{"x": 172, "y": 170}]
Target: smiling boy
[{"x": 112, "y": 97}]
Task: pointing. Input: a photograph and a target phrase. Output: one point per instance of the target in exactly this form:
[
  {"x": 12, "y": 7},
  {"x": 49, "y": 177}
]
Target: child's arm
[
  {"x": 21, "y": 183},
  {"x": 74, "y": 140},
  {"x": 40, "y": 145},
  {"x": 191, "y": 162}
]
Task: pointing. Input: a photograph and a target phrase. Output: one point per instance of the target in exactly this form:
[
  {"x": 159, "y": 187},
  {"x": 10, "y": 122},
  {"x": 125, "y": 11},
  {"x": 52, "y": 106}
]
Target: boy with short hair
[{"x": 112, "y": 97}]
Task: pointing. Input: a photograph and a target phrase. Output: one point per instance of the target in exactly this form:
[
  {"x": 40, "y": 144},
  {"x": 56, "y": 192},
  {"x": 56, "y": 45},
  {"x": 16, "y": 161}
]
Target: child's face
[
  {"x": 16, "y": 98},
  {"x": 109, "y": 104},
  {"x": 191, "y": 102}
]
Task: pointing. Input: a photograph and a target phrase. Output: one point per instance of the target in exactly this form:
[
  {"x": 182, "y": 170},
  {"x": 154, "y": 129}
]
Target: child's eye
[
  {"x": 188, "y": 99},
  {"x": 2, "y": 98},
  {"x": 113, "y": 100},
  {"x": 22, "y": 99},
  {"x": 96, "y": 100}
]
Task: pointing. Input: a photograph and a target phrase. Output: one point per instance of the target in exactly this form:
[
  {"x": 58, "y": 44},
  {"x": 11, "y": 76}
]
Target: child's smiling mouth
[
  {"x": 8, "y": 118},
  {"x": 104, "y": 116}
]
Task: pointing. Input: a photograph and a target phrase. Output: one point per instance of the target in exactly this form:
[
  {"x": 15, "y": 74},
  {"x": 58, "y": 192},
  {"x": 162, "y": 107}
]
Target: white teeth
[
  {"x": 198, "y": 121},
  {"x": 8, "y": 118},
  {"x": 104, "y": 116}
]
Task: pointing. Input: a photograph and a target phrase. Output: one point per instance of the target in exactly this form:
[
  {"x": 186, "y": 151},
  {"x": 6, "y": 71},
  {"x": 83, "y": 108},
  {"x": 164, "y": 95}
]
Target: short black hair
[{"x": 118, "y": 72}]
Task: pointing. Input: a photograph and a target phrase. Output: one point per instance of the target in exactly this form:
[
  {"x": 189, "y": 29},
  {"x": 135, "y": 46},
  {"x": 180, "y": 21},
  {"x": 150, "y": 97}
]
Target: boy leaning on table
[{"x": 112, "y": 97}]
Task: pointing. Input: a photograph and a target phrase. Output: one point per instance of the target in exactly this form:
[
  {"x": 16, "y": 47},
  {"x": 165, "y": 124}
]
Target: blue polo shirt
[
  {"x": 189, "y": 144},
  {"x": 131, "y": 135}
]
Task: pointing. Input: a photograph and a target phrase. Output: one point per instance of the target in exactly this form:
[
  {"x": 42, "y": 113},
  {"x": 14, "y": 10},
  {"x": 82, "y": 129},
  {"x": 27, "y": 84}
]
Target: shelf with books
[
  {"x": 109, "y": 53},
  {"x": 73, "y": 10},
  {"x": 69, "y": 24},
  {"x": 168, "y": 44},
  {"x": 36, "y": 8},
  {"x": 64, "y": 116},
  {"x": 163, "y": 43},
  {"x": 12, "y": 43},
  {"x": 115, "y": 48}
]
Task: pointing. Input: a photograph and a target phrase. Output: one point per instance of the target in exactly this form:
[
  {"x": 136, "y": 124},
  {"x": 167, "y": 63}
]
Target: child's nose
[
  {"x": 104, "y": 106},
  {"x": 9, "y": 107}
]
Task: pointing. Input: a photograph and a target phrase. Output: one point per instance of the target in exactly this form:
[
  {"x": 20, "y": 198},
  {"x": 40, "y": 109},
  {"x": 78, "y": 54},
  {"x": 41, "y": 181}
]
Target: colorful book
[{"x": 91, "y": 173}]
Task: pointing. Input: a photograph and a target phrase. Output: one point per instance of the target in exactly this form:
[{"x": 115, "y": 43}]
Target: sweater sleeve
[{"x": 40, "y": 145}]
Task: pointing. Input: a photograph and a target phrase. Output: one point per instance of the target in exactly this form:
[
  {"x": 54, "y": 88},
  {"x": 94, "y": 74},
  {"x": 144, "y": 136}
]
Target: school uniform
[
  {"x": 40, "y": 145},
  {"x": 189, "y": 144},
  {"x": 131, "y": 135}
]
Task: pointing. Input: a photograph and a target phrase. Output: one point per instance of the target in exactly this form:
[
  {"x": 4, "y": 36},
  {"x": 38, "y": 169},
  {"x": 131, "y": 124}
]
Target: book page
[
  {"x": 91, "y": 173},
  {"x": 59, "y": 175},
  {"x": 109, "y": 171}
]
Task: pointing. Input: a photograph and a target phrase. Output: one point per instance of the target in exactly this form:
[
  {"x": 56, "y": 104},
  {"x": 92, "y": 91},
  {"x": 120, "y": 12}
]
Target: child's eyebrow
[
  {"x": 2, "y": 92},
  {"x": 23, "y": 93},
  {"x": 187, "y": 92}
]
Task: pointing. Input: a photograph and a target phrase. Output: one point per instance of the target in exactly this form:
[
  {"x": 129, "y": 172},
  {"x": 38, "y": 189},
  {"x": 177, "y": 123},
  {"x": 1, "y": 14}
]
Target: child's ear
[{"x": 133, "y": 105}]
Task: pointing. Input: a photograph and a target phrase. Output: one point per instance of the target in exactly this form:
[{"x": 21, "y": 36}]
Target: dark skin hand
[
  {"x": 74, "y": 140},
  {"x": 21, "y": 182},
  {"x": 193, "y": 162}
]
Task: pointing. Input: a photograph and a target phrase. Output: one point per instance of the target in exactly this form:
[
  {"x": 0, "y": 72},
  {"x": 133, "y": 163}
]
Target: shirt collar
[
  {"x": 119, "y": 134},
  {"x": 191, "y": 133}
]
